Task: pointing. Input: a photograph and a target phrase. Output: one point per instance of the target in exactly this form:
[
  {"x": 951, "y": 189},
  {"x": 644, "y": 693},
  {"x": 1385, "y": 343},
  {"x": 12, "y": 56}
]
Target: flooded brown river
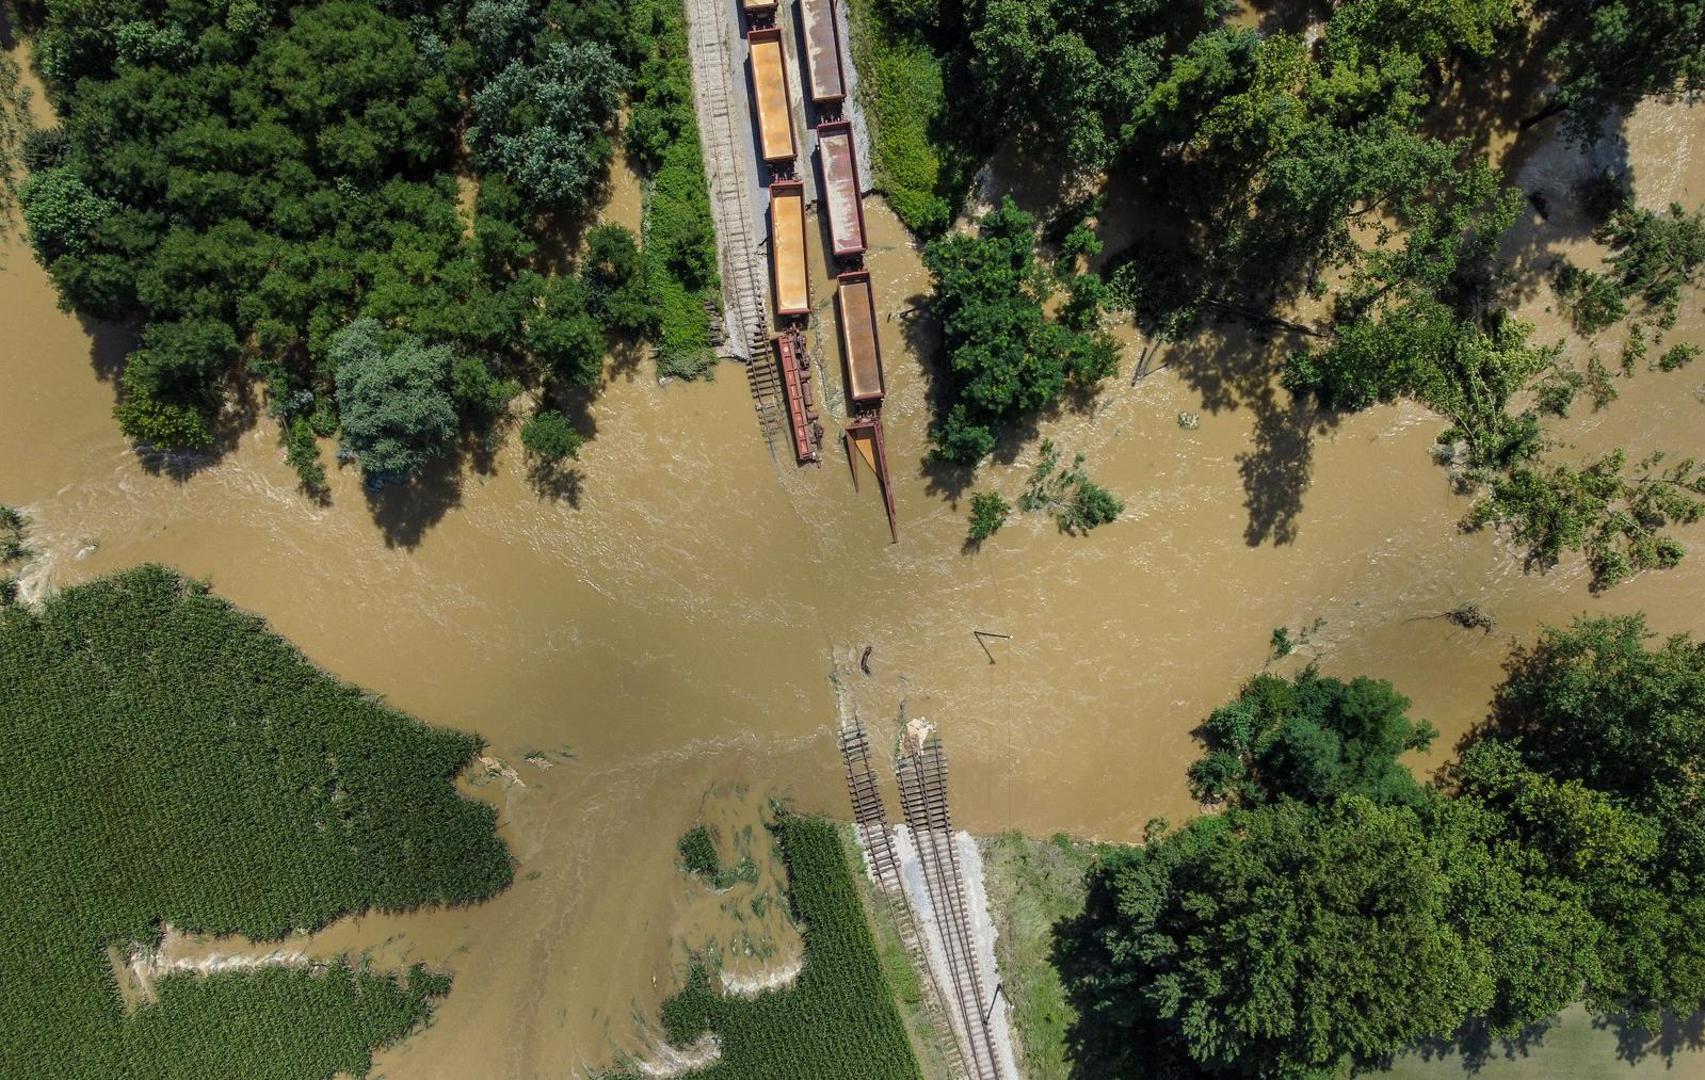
[{"x": 692, "y": 620}]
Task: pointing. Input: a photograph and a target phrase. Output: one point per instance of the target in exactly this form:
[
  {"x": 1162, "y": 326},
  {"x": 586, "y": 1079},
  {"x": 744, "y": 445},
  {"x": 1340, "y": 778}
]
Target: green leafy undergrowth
[{"x": 680, "y": 237}]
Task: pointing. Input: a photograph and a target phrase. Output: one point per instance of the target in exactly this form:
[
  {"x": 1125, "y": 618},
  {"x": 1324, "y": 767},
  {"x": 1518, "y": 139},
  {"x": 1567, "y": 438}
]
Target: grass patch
[
  {"x": 903, "y": 85},
  {"x": 1033, "y": 884},
  {"x": 837, "y": 1020},
  {"x": 677, "y": 230},
  {"x": 169, "y": 758}
]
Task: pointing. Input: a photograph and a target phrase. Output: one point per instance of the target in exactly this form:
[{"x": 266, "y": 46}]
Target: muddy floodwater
[{"x": 687, "y": 624}]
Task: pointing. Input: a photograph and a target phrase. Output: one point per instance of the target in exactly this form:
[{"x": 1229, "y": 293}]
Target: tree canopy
[
  {"x": 1005, "y": 357},
  {"x": 241, "y": 181},
  {"x": 395, "y": 400},
  {"x": 1067, "y": 77},
  {"x": 1611, "y": 53},
  {"x": 1311, "y": 738},
  {"x": 542, "y": 125},
  {"x": 1338, "y": 911}
]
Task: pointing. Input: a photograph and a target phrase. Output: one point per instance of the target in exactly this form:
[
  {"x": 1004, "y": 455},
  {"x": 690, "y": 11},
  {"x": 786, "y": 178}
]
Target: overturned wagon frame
[{"x": 796, "y": 383}]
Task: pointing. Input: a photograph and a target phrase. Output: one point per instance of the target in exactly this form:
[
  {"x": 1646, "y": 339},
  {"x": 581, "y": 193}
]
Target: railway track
[
  {"x": 922, "y": 773},
  {"x": 723, "y": 136},
  {"x": 870, "y": 820}
]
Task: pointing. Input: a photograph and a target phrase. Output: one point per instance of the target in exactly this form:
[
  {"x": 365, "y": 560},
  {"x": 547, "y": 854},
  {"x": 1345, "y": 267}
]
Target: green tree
[
  {"x": 1311, "y": 738},
  {"x": 548, "y": 436},
  {"x": 1067, "y": 76},
  {"x": 478, "y": 394},
  {"x": 500, "y": 30},
  {"x": 62, "y": 213},
  {"x": 1005, "y": 358},
  {"x": 614, "y": 272},
  {"x": 1466, "y": 368},
  {"x": 566, "y": 339},
  {"x": 544, "y": 125},
  {"x": 1613, "y": 53},
  {"x": 394, "y": 399},
  {"x": 1599, "y": 761},
  {"x": 1289, "y": 941}
]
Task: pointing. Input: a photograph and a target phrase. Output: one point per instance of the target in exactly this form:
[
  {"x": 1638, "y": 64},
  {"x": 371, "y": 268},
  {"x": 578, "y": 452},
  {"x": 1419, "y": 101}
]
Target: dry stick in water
[{"x": 981, "y": 634}]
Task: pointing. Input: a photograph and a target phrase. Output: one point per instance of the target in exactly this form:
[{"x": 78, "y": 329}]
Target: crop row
[
  {"x": 169, "y": 759},
  {"x": 837, "y": 1020}
]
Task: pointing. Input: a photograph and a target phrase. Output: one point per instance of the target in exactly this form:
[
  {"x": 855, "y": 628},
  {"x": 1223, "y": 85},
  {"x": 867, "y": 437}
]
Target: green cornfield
[
  {"x": 166, "y": 758},
  {"x": 837, "y": 1022}
]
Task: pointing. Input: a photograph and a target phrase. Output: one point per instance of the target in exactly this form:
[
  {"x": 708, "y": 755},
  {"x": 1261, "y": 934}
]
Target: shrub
[
  {"x": 988, "y": 513},
  {"x": 548, "y": 436},
  {"x": 698, "y": 852}
]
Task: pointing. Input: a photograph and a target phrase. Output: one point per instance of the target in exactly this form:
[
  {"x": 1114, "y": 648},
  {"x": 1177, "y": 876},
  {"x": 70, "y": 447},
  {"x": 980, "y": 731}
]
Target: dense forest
[
  {"x": 369, "y": 206},
  {"x": 170, "y": 760},
  {"x": 1338, "y": 911}
]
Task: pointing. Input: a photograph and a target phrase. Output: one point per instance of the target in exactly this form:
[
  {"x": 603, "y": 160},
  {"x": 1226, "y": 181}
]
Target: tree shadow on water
[
  {"x": 239, "y": 414},
  {"x": 110, "y": 344},
  {"x": 556, "y": 482},
  {"x": 1234, "y": 365},
  {"x": 405, "y": 510}
]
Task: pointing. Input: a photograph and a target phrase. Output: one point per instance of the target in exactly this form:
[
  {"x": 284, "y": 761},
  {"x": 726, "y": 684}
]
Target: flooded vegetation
[
  {"x": 673, "y": 624},
  {"x": 664, "y": 635}
]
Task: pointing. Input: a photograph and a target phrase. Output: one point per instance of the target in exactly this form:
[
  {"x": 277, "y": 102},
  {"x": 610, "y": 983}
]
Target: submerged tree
[
  {"x": 1067, "y": 494},
  {"x": 988, "y": 513},
  {"x": 1616, "y": 519}
]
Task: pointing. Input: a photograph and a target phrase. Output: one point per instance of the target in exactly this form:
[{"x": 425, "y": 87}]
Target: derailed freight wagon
[
  {"x": 788, "y": 275},
  {"x": 843, "y": 204},
  {"x": 855, "y": 305},
  {"x": 770, "y": 99},
  {"x": 822, "y": 35}
]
